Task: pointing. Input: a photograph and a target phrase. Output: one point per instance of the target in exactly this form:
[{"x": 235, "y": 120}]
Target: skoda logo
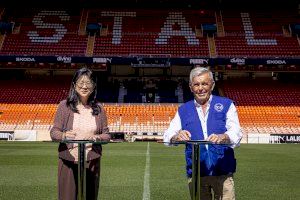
[{"x": 218, "y": 107}]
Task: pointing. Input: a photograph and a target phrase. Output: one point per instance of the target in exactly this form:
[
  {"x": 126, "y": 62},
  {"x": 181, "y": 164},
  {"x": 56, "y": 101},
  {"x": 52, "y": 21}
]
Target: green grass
[{"x": 28, "y": 170}]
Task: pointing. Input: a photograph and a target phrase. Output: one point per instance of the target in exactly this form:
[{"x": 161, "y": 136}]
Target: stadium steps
[
  {"x": 83, "y": 22},
  {"x": 2, "y": 38},
  {"x": 90, "y": 45},
  {"x": 298, "y": 39},
  {"x": 220, "y": 26},
  {"x": 104, "y": 31},
  {"x": 180, "y": 93},
  {"x": 122, "y": 93},
  {"x": 16, "y": 29},
  {"x": 199, "y": 32},
  {"x": 286, "y": 32},
  {"x": 2, "y": 10},
  {"x": 221, "y": 91},
  {"x": 212, "y": 46}
]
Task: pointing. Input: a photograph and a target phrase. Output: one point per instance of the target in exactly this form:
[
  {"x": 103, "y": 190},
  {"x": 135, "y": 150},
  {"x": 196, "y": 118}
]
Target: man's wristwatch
[{"x": 224, "y": 138}]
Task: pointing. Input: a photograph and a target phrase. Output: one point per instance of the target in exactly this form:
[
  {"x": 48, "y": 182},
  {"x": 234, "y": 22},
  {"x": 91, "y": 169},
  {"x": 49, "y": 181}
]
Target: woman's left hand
[{"x": 104, "y": 137}]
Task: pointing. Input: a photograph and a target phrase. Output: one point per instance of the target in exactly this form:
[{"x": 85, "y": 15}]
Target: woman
[{"x": 79, "y": 117}]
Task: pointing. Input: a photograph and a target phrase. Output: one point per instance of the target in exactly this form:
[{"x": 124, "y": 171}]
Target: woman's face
[{"x": 84, "y": 87}]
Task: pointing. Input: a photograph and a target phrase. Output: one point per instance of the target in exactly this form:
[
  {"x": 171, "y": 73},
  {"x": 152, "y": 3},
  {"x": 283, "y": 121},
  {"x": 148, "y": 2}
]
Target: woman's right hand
[{"x": 70, "y": 135}]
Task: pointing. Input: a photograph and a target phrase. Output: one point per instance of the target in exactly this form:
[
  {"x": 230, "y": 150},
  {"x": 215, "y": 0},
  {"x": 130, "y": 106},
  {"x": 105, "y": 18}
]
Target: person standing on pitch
[
  {"x": 212, "y": 118},
  {"x": 79, "y": 117}
]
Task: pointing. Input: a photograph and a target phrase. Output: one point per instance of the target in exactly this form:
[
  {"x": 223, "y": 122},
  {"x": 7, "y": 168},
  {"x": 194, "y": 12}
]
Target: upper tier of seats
[
  {"x": 140, "y": 32},
  {"x": 255, "y": 34},
  {"x": 169, "y": 33}
]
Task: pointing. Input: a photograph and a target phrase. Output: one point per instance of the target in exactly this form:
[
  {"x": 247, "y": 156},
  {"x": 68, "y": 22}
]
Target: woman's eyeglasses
[{"x": 88, "y": 84}]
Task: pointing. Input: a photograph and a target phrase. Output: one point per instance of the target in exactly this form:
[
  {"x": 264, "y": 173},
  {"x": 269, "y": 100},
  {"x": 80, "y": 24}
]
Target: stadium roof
[{"x": 256, "y": 4}]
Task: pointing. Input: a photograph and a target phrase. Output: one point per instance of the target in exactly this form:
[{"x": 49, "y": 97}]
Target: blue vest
[{"x": 216, "y": 159}]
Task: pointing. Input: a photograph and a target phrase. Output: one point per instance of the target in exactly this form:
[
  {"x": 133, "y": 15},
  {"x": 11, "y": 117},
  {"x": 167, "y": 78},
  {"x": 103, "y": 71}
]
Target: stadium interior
[{"x": 142, "y": 52}]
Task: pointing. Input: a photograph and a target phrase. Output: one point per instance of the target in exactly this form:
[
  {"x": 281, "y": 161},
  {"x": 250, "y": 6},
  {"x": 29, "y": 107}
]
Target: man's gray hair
[{"x": 197, "y": 71}]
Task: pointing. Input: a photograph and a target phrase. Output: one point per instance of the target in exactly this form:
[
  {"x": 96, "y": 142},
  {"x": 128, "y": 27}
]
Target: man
[{"x": 212, "y": 118}]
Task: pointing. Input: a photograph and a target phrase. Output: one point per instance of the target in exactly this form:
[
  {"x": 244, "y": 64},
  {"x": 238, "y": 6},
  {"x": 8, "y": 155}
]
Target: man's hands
[
  {"x": 182, "y": 135},
  {"x": 218, "y": 138}
]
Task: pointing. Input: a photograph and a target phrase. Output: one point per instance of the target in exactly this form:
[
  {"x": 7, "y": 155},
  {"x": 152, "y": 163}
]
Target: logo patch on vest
[{"x": 218, "y": 107}]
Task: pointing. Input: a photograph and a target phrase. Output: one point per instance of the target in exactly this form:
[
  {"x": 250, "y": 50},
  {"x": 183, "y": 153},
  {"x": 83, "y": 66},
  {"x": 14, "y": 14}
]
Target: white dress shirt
[{"x": 232, "y": 124}]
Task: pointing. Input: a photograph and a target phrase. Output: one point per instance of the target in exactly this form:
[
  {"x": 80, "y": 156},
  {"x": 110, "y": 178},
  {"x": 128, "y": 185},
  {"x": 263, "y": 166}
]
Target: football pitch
[{"x": 142, "y": 170}]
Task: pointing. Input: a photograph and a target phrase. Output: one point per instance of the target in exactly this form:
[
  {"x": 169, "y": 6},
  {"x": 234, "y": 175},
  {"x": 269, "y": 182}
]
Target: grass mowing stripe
[
  {"x": 122, "y": 171},
  {"x": 146, "y": 192}
]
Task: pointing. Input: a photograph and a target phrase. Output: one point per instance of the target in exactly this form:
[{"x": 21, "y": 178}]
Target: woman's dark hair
[{"x": 73, "y": 97}]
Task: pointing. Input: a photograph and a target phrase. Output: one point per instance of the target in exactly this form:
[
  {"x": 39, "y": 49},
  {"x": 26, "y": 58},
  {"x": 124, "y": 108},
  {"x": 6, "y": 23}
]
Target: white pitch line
[{"x": 146, "y": 193}]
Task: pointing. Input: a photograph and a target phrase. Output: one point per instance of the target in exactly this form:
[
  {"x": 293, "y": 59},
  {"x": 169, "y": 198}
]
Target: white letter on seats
[
  {"x": 249, "y": 34},
  {"x": 59, "y": 28},
  {"x": 185, "y": 30},
  {"x": 118, "y": 19}
]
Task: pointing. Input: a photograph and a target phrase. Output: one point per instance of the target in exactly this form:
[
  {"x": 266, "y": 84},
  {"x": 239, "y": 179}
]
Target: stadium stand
[{"x": 264, "y": 107}]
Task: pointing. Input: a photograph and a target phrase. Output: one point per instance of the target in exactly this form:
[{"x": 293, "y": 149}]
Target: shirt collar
[{"x": 199, "y": 105}]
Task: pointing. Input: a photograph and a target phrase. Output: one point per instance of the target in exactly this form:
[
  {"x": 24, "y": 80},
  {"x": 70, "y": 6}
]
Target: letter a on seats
[{"x": 167, "y": 30}]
